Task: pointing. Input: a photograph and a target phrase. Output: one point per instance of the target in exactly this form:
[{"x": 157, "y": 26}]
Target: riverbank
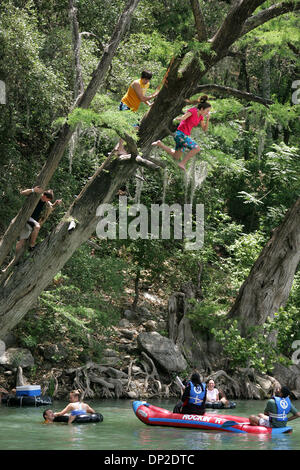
[
  {"x": 140, "y": 357},
  {"x": 136, "y": 375}
]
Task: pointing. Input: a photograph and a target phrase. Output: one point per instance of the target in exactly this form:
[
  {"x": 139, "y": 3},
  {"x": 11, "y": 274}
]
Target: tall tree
[
  {"x": 269, "y": 283},
  {"x": 28, "y": 280}
]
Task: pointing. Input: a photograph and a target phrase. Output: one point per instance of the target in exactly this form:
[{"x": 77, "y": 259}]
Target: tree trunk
[
  {"x": 136, "y": 290},
  {"x": 26, "y": 283},
  {"x": 269, "y": 283},
  {"x": 244, "y": 83}
]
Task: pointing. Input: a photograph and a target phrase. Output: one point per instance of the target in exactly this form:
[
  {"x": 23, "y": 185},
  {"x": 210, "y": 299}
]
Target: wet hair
[
  {"x": 203, "y": 103},
  {"x": 196, "y": 379},
  {"x": 49, "y": 194},
  {"x": 285, "y": 392},
  {"x": 45, "y": 412},
  {"x": 146, "y": 74}
]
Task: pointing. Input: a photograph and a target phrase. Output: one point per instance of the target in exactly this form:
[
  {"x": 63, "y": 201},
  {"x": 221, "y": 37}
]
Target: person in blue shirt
[
  {"x": 276, "y": 411},
  {"x": 194, "y": 396}
]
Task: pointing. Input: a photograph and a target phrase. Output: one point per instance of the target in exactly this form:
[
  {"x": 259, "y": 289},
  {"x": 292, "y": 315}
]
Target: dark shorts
[
  {"x": 184, "y": 142},
  {"x": 123, "y": 107}
]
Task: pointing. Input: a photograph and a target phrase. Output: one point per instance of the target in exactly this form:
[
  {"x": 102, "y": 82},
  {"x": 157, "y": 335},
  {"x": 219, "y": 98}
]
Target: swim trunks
[
  {"x": 123, "y": 107},
  {"x": 184, "y": 142}
]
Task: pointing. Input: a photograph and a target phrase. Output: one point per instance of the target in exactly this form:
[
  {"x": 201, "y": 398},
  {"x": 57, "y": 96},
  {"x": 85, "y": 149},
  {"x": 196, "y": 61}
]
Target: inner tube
[
  {"x": 12, "y": 400},
  {"x": 213, "y": 405},
  {"x": 81, "y": 419},
  {"x": 219, "y": 405}
]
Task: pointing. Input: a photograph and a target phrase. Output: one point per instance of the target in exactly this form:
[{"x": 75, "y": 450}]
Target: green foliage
[
  {"x": 80, "y": 306},
  {"x": 51, "y": 387},
  {"x": 265, "y": 345},
  {"x": 41, "y": 91},
  {"x": 111, "y": 119},
  {"x": 246, "y": 193},
  {"x": 287, "y": 324},
  {"x": 284, "y": 165},
  {"x": 274, "y": 36},
  {"x": 207, "y": 315},
  {"x": 97, "y": 271},
  {"x": 141, "y": 52},
  {"x": 16, "y": 360},
  {"x": 245, "y": 249},
  {"x": 284, "y": 114},
  {"x": 36, "y": 94},
  {"x": 226, "y": 109},
  {"x": 254, "y": 352},
  {"x": 259, "y": 350}
]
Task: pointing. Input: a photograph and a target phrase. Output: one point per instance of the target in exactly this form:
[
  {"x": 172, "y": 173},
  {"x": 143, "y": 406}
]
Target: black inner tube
[
  {"x": 13, "y": 400},
  {"x": 219, "y": 405},
  {"x": 81, "y": 419}
]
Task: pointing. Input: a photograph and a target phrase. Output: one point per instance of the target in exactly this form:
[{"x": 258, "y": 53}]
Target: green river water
[{"x": 23, "y": 429}]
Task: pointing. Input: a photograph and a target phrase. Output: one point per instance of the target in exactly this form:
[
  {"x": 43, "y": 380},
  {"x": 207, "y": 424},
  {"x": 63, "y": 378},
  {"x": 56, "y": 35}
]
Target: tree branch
[
  {"x": 232, "y": 26},
  {"x": 147, "y": 163},
  {"x": 79, "y": 87},
  {"x": 234, "y": 54},
  {"x": 268, "y": 14},
  {"x": 88, "y": 34},
  {"x": 199, "y": 20},
  {"x": 243, "y": 95}
]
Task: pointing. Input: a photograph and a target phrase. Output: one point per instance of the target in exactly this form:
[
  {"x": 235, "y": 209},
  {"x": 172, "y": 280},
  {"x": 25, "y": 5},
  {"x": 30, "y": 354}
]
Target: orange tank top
[{"x": 131, "y": 99}]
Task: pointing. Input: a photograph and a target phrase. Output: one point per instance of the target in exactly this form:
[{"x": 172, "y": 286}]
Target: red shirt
[{"x": 192, "y": 121}]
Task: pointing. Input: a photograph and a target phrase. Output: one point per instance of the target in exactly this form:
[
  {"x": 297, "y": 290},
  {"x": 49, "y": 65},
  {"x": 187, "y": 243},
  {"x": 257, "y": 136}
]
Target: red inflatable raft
[{"x": 155, "y": 416}]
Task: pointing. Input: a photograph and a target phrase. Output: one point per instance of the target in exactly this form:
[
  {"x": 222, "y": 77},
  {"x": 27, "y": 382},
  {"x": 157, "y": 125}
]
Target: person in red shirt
[{"x": 182, "y": 138}]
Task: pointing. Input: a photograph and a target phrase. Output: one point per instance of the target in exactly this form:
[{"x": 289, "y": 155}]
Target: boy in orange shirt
[{"x": 135, "y": 95}]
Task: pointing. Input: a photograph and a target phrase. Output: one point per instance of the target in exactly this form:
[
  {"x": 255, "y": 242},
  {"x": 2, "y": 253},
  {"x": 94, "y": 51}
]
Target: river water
[{"x": 23, "y": 429}]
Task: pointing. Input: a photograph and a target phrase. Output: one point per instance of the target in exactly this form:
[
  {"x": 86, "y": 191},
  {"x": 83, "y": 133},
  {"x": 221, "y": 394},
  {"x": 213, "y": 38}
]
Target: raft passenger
[
  {"x": 75, "y": 407},
  {"x": 276, "y": 412},
  {"x": 213, "y": 394},
  {"x": 194, "y": 396}
]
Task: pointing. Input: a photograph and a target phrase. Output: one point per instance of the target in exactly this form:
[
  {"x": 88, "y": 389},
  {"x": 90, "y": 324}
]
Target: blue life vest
[
  {"x": 283, "y": 408},
  {"x": 197, "y": 394}
]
